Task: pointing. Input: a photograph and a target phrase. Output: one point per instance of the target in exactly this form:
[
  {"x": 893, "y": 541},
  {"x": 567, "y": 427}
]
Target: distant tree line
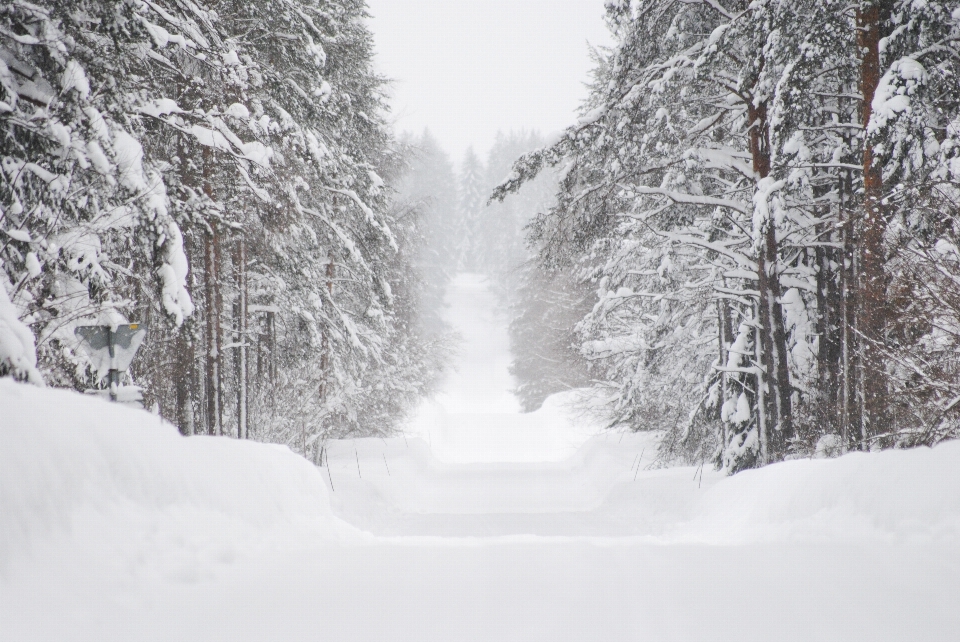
[
  {"x": 221, "y": 170},
  {"x": 764, "y": 195},
  {"x": 542, "y": 303}
]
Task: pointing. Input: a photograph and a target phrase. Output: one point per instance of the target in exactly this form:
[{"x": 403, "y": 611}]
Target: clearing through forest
[{"x": 490, "y": 526}]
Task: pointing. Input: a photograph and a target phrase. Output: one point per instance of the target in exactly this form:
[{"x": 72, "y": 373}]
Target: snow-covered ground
[
  {"x": 113, "y": 527},
  {"x": 476, "y": 418}
]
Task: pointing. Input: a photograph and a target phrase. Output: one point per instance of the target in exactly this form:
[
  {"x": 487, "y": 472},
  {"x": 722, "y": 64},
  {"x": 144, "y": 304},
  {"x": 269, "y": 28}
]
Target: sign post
[{"x": 111, "y": 349}]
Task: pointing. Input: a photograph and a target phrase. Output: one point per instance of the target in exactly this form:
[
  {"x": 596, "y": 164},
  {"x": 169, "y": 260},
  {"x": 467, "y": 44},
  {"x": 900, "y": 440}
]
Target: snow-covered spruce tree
[
  {"x": 715, "y": 191},
  {"x": 544, "y": 301},
  {"x": 471, "y": 197},
  {"x": 546, "y": 309},
  {"x": 255, "y": 134},
  {"x": 501, "y": 239},
  {"x": 910, "y": 223},
  {"x": 633, "y": 177},
  {"x": 426, "y": 188},
  {"x": 318, "y": 251},
  {"x": 89, "y": 233},
  {"x": 419, "y": 347}
]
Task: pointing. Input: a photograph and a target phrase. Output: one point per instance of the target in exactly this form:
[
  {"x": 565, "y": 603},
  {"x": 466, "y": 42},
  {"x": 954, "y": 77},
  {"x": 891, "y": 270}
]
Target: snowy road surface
[
  {"x": 112, "y": 527},
  {"x": 476, "y": 417}
]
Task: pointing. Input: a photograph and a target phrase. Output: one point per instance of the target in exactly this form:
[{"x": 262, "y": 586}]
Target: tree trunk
[
  {"x": 723, "y": 343},
  {"x": 872, "y": 313},
  {"x": 325, "y": 358},
  {"x": 762, "y": 396},
  {"x": 242, "y": 335},
  {"x": 773, "y": 332},
  {"x": 271, "y": 331},
  {"x": 829, "y": 324},
  {"x": 849, "y": 370},
  {"x": 183, "y": 382},
  {"x": 213, "y": 339}
]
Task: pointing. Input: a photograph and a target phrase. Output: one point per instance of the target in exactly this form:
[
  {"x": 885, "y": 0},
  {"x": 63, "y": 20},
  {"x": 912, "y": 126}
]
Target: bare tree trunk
[
  {"x": 184, "y": 373},
  {"x": 872, "y": 313},
  {"x": 325, "y": 358},
  {"x": 214, "y": 301},
  {"x": 849, "y": 292},
  {"x": 762, "y": 419},
  {"x": 829, "y": 265},
  {"x": 829, "y": 327},
  {"x": 242, "y": 335},
  {"x": 724, "y": 338},
  {"x": 183, "y": 380},
  {"x": 184, "y": 369},
  {"x": 213, "y": 338},
  {"x": 271, "y": 345},
  {"x": 773, "y": 334}
]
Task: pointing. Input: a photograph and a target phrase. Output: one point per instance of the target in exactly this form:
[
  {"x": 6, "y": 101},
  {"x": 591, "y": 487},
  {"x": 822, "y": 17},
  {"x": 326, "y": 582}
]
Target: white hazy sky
[{"x": 468, "y": 68}]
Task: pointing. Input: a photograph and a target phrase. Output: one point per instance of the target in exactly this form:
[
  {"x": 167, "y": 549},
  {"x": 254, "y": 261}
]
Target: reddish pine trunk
[{"x": 871, "y": 318}]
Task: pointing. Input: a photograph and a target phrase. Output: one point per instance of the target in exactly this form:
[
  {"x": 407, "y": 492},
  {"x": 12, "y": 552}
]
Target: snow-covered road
[
  {"x": 476, "y": 417},
  {"x": 507, "y": 528}
]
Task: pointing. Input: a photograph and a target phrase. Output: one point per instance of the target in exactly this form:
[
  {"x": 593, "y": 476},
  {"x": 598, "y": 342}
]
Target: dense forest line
[
  {"x": 747, "y": 240},
  {"x": 222, "y": 171},
  {"x": 763, "y": 195},
  {"x": 225, "y": 174}
]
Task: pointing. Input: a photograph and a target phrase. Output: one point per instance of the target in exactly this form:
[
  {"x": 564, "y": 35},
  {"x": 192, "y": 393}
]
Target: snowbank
[
  {"x": 115, "y": 528},
  {"x": 910, "y": 496},
  {"x": 69, "y": 462},
  {"x": 610, "y": 487}
]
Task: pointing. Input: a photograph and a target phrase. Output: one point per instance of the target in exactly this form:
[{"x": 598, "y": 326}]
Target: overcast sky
[{"x": 467, "y": 68}]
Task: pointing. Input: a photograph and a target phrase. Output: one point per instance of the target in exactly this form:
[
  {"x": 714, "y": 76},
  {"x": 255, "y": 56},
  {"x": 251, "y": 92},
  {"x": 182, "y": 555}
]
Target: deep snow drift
[{"x": 113, "y": 527}]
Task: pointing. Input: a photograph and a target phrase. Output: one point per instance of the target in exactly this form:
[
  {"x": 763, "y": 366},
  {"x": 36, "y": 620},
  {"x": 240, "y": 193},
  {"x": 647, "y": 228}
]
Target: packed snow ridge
[{"x": 114, "y": 527}]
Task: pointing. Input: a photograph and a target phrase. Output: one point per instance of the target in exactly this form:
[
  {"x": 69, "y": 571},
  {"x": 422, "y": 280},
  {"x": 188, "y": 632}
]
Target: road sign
[{"x": 111, "y": 349}]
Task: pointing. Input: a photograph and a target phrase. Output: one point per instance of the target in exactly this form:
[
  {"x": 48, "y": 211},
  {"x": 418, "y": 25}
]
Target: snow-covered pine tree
[
  {"x": 501, "y": 239},
  {"x": 89, "y": 231},
  {"x": 428, "y": 188},
  {"x": 471, "y": 197},
  {"x": 715, "y": 191},
  {"x": 908, "y": 255},
  {"x": 227, "y": 149},
  {"x": 547, "y": 307}
]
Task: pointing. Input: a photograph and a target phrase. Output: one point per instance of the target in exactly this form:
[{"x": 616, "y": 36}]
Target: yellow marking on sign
[{"x": 134, "y": 326}]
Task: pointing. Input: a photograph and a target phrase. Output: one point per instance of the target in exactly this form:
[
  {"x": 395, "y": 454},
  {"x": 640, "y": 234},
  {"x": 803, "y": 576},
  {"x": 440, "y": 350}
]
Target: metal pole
[{"x": 113, "y": 377}]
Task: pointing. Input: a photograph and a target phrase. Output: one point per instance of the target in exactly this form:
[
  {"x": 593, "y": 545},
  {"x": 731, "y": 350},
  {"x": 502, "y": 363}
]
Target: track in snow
[
  {"x": 490, "y": 526},
  {"x": 473, "y": 465}
]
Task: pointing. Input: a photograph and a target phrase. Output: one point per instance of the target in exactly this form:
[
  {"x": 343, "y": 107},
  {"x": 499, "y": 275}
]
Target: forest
[
  {"x": 748, "y": 240},
  {"x": 764, "y": 198},
  {"x": 219, "y": 171}
]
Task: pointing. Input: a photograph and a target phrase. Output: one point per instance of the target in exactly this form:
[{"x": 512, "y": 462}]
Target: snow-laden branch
[{"x": 692, "y": 199}]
